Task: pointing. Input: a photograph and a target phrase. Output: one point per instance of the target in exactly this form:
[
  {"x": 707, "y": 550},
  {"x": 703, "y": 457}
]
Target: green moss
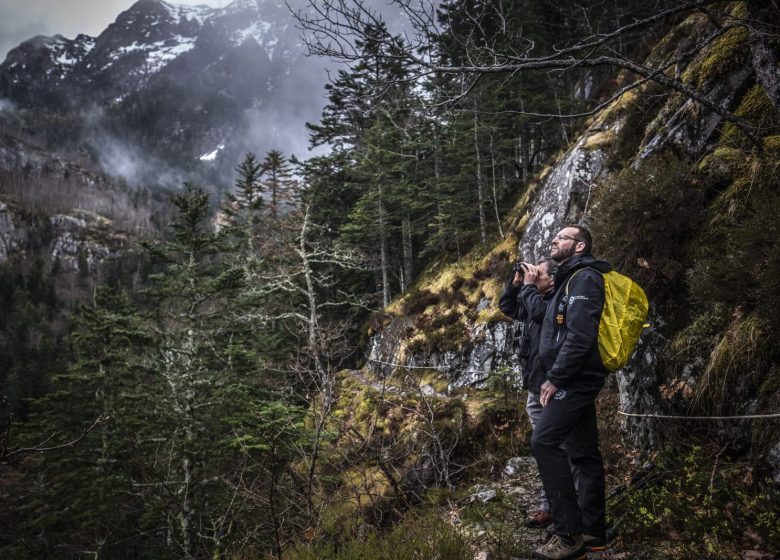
[
  {"x": 427, "y": 340},
  {"x": 771, "y": 384},
  {"x": 733, "y": 158},
  {"x": 701, "y": 332},
  {"x": 724, "y": 55},
  {"x": 421, "y": 535},
  {"x": 491, "y": 314},
  {"x": 755, "y": 108},
  {"x": 772, "y": 145},
  {"x": 669, "y": 44},
  {"x": 734, "y": 367},
  {"x": 740, "y": 221}
]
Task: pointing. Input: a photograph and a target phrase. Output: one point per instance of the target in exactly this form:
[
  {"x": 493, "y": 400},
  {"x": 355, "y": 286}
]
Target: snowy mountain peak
[{"x": 177, "y": 82}]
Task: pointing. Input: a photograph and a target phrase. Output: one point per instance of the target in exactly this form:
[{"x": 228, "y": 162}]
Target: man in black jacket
[
  {"x": 569, "y": 356},
  {"x": 525, "y": 299}
]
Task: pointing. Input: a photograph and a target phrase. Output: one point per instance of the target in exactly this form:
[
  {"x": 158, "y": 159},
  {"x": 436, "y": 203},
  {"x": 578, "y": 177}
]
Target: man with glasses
[{"x": 565, "y": 439}]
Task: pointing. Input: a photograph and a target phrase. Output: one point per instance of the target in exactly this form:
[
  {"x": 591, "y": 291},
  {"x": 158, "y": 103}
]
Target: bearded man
[{"x": 565, "y": 438}]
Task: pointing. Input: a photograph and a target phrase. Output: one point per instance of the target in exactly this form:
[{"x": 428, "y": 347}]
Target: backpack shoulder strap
[{"x": 573, "y": 274}]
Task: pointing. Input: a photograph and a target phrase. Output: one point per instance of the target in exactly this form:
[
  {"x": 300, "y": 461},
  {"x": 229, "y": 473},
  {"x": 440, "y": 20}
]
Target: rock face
[
  {"x": 564, "y": 196},
  {"x": 566, "y": 192},
  {"x": 75, "y": 243},
  {"x": 687, "y": 125},
  {"x": 638, "y": 389},
  {"x": 8, "y": 241},
  {"x": 490, "y": 350},
  {"x": 63, "y": 214}
]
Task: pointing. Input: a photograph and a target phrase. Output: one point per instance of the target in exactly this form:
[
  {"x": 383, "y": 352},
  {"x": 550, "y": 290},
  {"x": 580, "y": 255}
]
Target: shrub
[
  {"x": 736, "y": 261},
  {"x": 699, "y": 504},
  {"x": 644, "y": 216},
  {"x": 418, "y": 536}
]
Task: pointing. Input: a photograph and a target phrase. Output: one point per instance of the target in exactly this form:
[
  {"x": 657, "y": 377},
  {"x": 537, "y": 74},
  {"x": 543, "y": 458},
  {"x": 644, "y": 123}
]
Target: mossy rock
[
  {"x": 755, "y": 108},
  {"x": 726, "y": 53}
]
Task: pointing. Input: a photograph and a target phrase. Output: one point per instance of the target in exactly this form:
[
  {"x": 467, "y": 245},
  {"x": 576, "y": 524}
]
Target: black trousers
[{"x": 570, "y": 419}]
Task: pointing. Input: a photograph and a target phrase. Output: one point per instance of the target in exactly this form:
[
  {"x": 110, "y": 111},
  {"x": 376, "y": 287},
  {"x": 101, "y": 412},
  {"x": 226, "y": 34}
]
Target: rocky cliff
[{"x": 64, "y": 214}]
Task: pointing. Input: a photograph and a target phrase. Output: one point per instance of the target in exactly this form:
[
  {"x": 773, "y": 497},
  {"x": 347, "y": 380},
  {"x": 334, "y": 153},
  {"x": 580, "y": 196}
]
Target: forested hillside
[{"x": 315, "y": 365}]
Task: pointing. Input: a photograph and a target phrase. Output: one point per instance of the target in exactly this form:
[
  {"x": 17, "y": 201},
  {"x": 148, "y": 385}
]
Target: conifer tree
[
  {"x": 203, "y": 393},
  {"x": 279, "y": 184},
  {"x": 242, "y": 208},
  {"x": 82, "y": 492}
]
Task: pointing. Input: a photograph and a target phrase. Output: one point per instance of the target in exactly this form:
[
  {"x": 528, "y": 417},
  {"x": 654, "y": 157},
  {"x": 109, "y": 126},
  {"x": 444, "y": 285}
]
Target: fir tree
[{"x": 279, "y": 183}]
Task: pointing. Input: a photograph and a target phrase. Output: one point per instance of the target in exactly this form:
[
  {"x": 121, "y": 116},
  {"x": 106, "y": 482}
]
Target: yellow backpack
[{"x": 622, "y": 318}]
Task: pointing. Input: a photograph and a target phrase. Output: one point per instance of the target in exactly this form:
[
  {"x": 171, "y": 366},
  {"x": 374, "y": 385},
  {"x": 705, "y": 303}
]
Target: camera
[{"x": 519, "y": 267}]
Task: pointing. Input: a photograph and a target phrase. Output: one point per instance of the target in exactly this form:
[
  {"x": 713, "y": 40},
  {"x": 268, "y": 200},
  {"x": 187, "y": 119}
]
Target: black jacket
[
  {"x": 525, "y": 303},
  {"x": 568, "y": 346}
]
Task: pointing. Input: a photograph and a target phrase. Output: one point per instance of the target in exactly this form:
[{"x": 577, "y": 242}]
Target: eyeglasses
[{"x": 561, "y": 237}]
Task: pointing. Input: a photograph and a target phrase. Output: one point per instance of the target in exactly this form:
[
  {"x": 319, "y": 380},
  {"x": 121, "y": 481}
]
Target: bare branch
[{"x": 8, "y": 456}]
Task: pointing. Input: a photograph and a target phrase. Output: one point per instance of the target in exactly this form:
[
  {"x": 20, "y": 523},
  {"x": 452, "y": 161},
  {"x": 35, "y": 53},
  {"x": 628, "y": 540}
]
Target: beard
[{"x": 561, "y": 255}]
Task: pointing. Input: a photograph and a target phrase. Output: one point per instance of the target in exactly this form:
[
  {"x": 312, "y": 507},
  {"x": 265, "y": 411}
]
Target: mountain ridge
[{"x": 171, "y": 82}]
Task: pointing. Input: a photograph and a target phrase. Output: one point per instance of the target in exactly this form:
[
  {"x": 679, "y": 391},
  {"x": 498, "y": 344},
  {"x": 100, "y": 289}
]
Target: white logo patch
[
  {"x": 572, "y": 299},
  {"x": 560, "y": 394}
]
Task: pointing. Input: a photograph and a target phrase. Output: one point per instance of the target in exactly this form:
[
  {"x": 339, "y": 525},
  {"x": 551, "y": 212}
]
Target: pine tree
[
  {"x": 210, "y": 387},
  {"x": 242, "y": 209},
  {"x": 81, "y": 494},
  {"x": 279, "y": 183}
]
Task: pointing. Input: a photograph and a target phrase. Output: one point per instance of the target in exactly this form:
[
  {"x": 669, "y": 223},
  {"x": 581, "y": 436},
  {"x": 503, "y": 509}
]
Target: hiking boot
[
  {"x": 562, "y": 547},
  {"x": 594, "y": 543},
  {"x": 539, "y": 520}
]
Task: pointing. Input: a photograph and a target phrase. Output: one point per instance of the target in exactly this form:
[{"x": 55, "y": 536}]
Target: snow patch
[
  {"x": 158, "y": 54},
  {"x": 66, "y": 60},
  {"x": 211, "y": 156},
  {"x": 163, "y": 54},
  {"x": 181, "y": 13}
]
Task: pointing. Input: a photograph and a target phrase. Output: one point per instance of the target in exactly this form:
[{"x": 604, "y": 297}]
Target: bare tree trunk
[
  {"x": 437, "y": 178},
  {"x": 187, "y": 511},
  {"x": 495, "y": 194},
  {"x": 273, "y": 192},
  {"x": 383, "y": 250},
  {"x": 480, "y": 189},
  {"x": 525, "y": 151},
  {"x": 326, "y": 383},
  {"x": 272, "y": 503},
  {"x": 406, "y": 247},
  {"x": 186, "y": 508}
]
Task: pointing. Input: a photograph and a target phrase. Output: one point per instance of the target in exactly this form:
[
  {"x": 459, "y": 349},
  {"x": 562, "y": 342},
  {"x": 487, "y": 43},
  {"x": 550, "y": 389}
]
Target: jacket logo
[
  {"x": 560, "y": 394},
  {"x": 572, "y": 299}
]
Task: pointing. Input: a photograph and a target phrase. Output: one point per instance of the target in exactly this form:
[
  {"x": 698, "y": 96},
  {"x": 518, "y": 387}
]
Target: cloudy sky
[{"x": 22, "y": 19}]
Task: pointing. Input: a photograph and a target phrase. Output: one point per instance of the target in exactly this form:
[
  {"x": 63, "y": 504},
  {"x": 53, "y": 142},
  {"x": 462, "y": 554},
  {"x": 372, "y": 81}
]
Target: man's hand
[
  {"x": 531, "y": 273},
  {"x": 547, "y": 392},
  {"x": 517, "y": 280}
]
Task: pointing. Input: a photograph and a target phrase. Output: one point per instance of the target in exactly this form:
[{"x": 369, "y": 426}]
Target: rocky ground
[{"x": 493, "y": 514}]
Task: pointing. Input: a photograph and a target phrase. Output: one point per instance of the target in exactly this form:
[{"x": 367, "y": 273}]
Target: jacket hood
[{"x": 581, "y": 261}]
